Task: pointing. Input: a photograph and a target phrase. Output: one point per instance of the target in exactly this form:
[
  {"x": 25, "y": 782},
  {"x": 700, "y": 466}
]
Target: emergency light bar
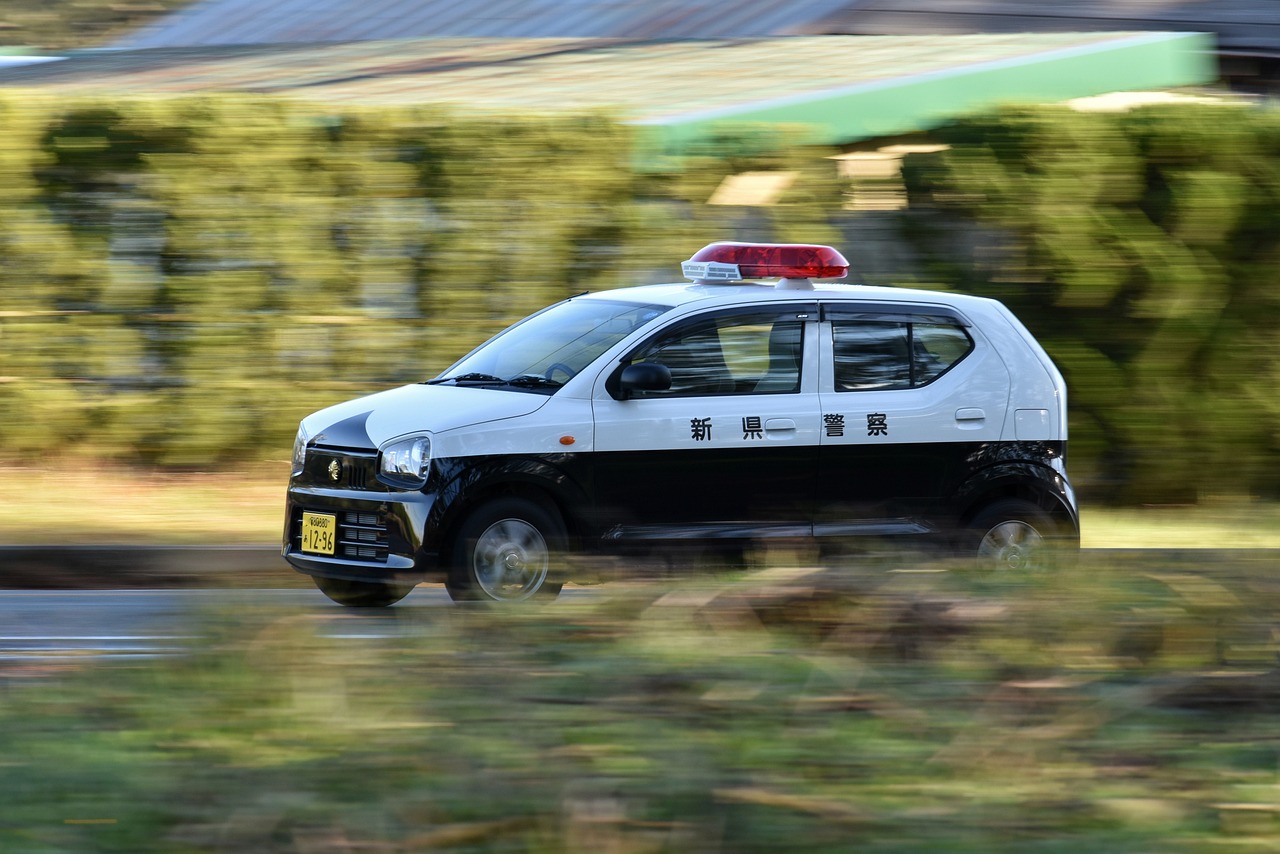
[{"x": 731, "y": 262}]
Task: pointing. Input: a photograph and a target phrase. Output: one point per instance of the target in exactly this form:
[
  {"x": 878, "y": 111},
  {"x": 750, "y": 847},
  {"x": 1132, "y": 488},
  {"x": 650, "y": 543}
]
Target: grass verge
[
  {"x": 1114, "y": 707},
  {"x": 131, "y": 506}
]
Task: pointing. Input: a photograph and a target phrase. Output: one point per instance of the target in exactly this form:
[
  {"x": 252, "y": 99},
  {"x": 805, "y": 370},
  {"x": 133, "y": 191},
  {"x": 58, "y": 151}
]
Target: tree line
[{"x": 181, "y": 279}]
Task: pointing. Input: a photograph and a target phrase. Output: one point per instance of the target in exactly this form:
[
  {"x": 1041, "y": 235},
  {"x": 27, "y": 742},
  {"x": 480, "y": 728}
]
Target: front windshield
[{"x": 543, "y": 351}]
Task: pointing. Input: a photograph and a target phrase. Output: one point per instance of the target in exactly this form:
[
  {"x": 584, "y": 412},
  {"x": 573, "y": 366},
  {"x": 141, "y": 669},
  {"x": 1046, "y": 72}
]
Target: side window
[
  {"x": 936, "y": 347},
  {"x": 874, "y": 355},
  {"x": 730, "y": 355},
  {"x": 871, "y": 356}
]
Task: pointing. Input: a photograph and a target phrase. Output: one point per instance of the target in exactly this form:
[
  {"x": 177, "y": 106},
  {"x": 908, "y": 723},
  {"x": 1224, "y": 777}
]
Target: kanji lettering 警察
[
  {"x": 877, "y": 424},
  {"x": 834, "y": 425}
]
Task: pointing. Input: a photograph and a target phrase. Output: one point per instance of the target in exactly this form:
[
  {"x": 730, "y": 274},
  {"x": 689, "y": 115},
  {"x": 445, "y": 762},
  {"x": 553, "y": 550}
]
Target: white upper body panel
[
  {"x": 1018, "y": 392},
  {"x": 425, "y": 408}
]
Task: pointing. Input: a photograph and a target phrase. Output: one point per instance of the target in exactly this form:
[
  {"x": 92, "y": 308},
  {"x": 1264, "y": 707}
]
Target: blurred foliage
[
  {"x": 1115, "y": 707},
  {"x": 69, "y": 24},
  {"x": 1140, "y": 248},
  {"x": 182, "y": 279}
]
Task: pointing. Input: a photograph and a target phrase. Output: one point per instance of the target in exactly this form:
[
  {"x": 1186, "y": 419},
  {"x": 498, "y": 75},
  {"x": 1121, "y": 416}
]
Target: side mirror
[{"x": 644, "y": 376}]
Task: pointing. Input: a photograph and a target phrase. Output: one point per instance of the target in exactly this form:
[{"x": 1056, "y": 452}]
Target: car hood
[{"x": 367, "y": 422}]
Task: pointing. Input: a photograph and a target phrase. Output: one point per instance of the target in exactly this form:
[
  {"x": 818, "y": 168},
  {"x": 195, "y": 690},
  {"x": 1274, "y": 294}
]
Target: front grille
[
  {"x": 357, "y": 476},
  {"x": 361, "y": 535},
  {"x": 343, "y": 468}
]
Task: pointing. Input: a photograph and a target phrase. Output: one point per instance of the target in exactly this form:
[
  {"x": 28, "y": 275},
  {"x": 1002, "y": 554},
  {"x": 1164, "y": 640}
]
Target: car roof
[{"x": 740, "y": 293}]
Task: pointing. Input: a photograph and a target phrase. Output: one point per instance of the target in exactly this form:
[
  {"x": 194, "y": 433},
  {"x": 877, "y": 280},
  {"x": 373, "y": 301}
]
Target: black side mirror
[{"x": 644, "y": 376}]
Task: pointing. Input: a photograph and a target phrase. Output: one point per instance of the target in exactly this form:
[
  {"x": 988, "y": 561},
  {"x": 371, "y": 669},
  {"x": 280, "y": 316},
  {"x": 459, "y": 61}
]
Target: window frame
[
  {"x": 905, "y": 314},
  {"x": 805, "y": 313}
]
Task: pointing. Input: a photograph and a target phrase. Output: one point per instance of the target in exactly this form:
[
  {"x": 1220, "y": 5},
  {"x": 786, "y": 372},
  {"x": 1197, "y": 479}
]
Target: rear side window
[{"x": 883, "y": 355}]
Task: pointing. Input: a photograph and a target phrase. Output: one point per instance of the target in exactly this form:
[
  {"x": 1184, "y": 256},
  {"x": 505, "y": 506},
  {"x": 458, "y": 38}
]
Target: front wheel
[
  {"x": 362, "y": 594},
  {"x": 1012, "y": 535},
  {"x": 504, "y": 552}
]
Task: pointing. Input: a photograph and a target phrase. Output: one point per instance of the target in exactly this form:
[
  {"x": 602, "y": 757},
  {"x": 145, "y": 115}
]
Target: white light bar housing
[{"x": 711, "y": 271}]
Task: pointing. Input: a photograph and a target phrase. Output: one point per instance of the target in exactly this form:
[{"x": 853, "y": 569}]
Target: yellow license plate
[{"x": 319, "y": 533}]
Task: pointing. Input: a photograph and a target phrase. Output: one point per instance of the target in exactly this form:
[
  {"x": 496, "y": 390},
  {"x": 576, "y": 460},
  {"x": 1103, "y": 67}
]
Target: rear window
[{"x": 883, "y": 355}]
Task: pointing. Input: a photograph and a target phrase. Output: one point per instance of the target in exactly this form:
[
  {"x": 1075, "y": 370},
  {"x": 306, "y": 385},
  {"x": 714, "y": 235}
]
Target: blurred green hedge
[
  {"x": 182, "y": 279},
  {"x": 69, "y": 24},
  {"x": 1141, "y": 248}
]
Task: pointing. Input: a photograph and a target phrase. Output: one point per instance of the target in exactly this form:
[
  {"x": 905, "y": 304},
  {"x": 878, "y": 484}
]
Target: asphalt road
[
  {"x": 141, "y": 622},
  {"x": 49, "y": 625},
  {"x": 38, "y": 625}
]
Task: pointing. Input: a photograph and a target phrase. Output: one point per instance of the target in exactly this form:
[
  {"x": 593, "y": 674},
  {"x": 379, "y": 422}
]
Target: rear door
[{"x": 907, "y": 392}]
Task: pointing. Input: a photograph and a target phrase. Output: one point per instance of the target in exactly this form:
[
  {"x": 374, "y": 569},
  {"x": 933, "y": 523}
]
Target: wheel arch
[
  {"x": 471, "y": 487},
  {"x": 1030, "y": 482}
]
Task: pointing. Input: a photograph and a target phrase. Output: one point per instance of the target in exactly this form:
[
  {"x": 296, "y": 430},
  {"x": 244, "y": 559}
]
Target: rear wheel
[
  {"x": 1012, "y": 535},
  {"x": 504, "y": 552},
  {"x": 362, "y": 594}
]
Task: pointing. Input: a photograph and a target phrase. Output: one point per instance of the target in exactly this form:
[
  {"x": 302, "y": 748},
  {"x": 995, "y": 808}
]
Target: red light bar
[{"x": 766, "y": 261}]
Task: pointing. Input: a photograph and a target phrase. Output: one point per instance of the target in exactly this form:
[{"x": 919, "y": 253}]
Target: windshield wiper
[
  {"x": 522, "y": 381},
  {"x": 476, "y": 379},
  {"x": 534, "y": 381}
]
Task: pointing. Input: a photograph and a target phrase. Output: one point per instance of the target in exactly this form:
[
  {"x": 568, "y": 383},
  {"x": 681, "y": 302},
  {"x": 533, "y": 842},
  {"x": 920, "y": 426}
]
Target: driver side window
[{"x": 747, "y": 354}]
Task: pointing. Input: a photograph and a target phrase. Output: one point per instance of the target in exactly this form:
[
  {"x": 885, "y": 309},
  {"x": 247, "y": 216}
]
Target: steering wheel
[{"x": 559, "y": 366}]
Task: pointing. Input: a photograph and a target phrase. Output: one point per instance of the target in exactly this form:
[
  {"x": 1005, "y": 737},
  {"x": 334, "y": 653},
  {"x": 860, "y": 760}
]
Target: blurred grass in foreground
[
  {"x": 246, "y": 505},
  {"x": 909, "y": 707}
]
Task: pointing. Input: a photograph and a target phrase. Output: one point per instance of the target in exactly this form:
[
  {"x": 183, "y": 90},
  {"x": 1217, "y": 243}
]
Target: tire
[
  {"x": 505, "y": 551},
  {"x": 362, "y": 594},
  {"x": 1012, "y": 535}
]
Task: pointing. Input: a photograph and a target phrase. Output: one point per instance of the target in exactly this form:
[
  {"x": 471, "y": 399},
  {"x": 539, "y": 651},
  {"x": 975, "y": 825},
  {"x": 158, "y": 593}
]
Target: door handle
[
  {"x": 970, "y": 417},
  {"x": 780, "y": 426}
]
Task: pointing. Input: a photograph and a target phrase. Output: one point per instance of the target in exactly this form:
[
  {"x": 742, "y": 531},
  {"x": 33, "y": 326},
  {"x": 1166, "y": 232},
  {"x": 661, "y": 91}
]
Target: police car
[{"x": 718, "y": 411}]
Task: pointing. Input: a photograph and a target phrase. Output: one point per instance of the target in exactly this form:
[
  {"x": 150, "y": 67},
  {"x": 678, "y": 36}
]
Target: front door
[{"x": 729, "y": 451}]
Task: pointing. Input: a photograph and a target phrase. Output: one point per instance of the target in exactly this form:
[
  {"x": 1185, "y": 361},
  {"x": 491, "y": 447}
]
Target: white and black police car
[{"x": 716, "y": 412}]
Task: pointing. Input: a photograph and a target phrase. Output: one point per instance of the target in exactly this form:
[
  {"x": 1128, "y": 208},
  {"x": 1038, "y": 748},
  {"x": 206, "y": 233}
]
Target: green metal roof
[{"x": 841, "y": 88}]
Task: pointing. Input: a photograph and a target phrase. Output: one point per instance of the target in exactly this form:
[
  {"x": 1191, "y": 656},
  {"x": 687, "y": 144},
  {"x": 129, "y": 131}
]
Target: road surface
[
  {"x": 139, "y": 623},
  {"x": 38, "y": 625}
]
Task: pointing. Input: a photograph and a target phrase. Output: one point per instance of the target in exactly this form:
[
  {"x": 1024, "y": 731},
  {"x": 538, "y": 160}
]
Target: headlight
[
  {"x": 406, "y": 460},
  {"x": 300, "y": 449}
]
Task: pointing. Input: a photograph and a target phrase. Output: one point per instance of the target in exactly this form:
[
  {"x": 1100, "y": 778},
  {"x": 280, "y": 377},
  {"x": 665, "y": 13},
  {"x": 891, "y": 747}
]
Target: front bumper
[{"x": 379, "y": 529}]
